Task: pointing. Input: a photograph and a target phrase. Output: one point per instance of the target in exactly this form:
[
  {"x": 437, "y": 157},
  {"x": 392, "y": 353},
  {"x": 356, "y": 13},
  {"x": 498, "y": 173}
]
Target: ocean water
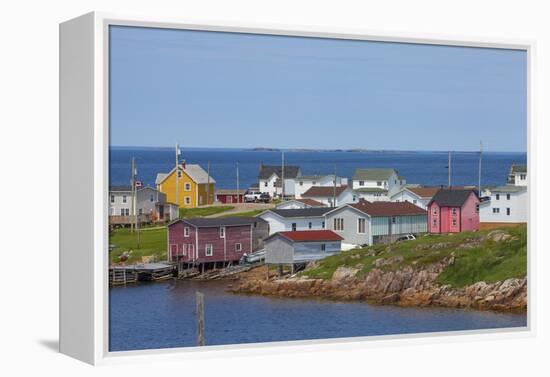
[
  {"x": 426, "y": 168},
  {"x": 161, "y": 315}
]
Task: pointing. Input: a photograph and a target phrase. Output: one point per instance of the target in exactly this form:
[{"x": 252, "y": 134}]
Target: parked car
[
  {"x": 265, "y": 197},
  {"x": 408, "y": 237},
  {"x": 252, "y": 196}
]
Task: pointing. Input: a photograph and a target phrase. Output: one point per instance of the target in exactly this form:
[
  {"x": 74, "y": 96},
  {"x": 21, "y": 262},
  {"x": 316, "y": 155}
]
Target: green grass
[
  {"x": 153, "y": 242},
  {"x": 485, "y": 259},
  {"x": 203, "y": 211},
  {"x": 252, "y": 213}
]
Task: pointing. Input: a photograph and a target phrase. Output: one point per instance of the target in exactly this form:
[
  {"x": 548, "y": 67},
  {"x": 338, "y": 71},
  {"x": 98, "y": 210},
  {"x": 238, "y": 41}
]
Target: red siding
[
  {"x": 470, "y": 214},
  {"x": 228, "y": 198},
  {"x": 466, "y": 218}
]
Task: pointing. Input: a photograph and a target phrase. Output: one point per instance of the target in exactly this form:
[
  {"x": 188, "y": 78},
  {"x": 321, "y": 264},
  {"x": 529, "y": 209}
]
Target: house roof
[
  {"x": 423, "y": 192},
  {"x": 308, "y": 235},
  {"x": 509, "y": 189},
  {"x": 374, "y": 174},
  {"x": 230, "y": 191},
  {"x": 194, "y": 171},
  {"x": 371, "y": 189},
  {"x": 451, "y": 197},
  {"x": 266, "y": 171},
  {"x": 518, "y": 168},
  {"x": 377, "y": 209},
  {"x": 301, "y": 212},
  {"x": 120, "y": 188},
  {"x": 310, "y": 202},
  {"x": 203, "y": 222},
  {"x": 324, "y": 191}
]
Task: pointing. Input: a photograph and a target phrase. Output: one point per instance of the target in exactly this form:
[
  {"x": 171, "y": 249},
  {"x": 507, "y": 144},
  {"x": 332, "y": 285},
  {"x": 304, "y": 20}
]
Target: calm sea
[{"x": 426, "y": 168}]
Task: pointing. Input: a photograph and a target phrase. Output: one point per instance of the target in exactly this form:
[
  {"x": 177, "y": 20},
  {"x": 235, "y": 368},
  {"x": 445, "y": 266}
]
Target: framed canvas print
[{"x": 226, "y": 186}]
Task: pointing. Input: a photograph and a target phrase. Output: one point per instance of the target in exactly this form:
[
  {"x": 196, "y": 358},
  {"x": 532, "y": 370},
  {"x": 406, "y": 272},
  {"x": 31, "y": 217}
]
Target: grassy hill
[{"x": 488, "y": 256}]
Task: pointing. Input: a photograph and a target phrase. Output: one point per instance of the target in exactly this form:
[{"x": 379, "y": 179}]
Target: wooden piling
[{"x": 200, "y": 318}]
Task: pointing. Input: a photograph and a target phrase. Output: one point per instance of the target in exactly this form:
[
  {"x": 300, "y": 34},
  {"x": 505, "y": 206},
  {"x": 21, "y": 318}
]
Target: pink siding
[
  {"x": 470, "y": 214},
  {"x": 224, "y": 248},
  {"x": 465, "y": 218}
]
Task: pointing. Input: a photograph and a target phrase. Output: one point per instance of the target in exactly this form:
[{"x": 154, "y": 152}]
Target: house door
[
  {"x": 161, "y": 212},
  {"x": 230, "y": 199},
  {"x": 173, "y": 251}
]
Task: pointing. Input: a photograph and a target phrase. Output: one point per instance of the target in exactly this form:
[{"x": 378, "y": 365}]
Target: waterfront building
[
  {"x": 300, "y": 247},
  {"x": 453, "y": 211},
  {"x": 331, "y": 196},
  {"x": 377, "y": 184},
  {"x": 270, "y": 179},
  {"x": 228, "y": 196},
  {"x": 194, "y": 186},
  {"x": 150, "y": 206},
  {"x": 419, "y": 196},
  {"x": 305, "y": 182},
  {"x": 518, "y": 175},
  {"x": 213, "y": 240},
  {"x": 299, "y": 203},
  {"x": 295, "y": 219},
  {"x": 368, "y": 223}
]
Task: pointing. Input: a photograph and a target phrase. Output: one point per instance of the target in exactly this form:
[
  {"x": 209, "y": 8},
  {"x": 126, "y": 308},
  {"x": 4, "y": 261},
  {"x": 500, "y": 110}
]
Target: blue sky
[{"x": 210, "y": 89}]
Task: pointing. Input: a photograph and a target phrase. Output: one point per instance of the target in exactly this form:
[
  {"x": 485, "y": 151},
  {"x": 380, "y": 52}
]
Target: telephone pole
[
  {"x": 283, "y": 174},
  {"x": 238, "y": 195},
  {"x": 133, "y": 203},
  {"x": 479, "y": 169},
  {"x": 177, "y": 173},
  {"x": 208, "y": 184},
  {"x": 334, "y": 189},
  {"x": 449, "y": 184}
]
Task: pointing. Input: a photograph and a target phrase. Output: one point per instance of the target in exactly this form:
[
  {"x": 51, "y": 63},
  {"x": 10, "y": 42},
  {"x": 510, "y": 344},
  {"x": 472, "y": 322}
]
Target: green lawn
[
  {"x": 203, "y": 211},
  {"x": 153, "y": 242},
  {"x": 482, "y": 260}
]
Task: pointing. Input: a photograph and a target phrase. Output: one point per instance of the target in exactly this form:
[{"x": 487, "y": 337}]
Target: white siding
[
  {"x": 407, "y": 196},
  {"x": 517, "y": 203},
  {"x": 279, "y": 224}
]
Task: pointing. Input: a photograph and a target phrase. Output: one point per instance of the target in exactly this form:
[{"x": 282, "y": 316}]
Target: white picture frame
[{"x": 84, "y": 141}]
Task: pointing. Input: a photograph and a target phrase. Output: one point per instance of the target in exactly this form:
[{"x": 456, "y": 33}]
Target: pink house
[
  {"x": 453, "y": 211},
  {"x": 212, "y": 240}
]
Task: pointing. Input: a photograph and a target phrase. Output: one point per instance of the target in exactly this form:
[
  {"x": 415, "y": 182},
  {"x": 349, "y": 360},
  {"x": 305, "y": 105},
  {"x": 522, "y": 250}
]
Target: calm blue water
[
  {"x": 427, "y": 168},
  {"x": 161, "y": 315}
]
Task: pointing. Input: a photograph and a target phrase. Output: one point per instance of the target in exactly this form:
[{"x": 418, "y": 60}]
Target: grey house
[
  {"x": 290, "y": 248},
  {"x": 150, "y": 204},
  {"x": 367, "y": 223}
]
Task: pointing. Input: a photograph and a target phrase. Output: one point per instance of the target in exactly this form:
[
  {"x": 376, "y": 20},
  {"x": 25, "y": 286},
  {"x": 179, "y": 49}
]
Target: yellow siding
[{"x": 195, "y": 193}]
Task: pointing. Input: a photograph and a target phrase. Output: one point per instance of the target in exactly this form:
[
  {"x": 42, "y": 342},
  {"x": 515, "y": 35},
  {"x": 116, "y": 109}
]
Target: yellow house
[{"x": 192, "y": 186}]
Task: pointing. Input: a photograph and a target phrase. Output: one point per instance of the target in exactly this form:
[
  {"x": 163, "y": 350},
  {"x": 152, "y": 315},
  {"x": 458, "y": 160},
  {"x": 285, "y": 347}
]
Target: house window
[
  {"x": 496, "y": 210},
  {"x": 309, "y": 225},
  {"x": 454, "y": 222},
  {"x": 522, "y": 177},
  {"x": 301, "y": 183},
  {"x": 123, "y": 198},
  {"x": 354, "y": 198},
  {"x": 187, "y": 186},
  {"x": 186, "y": 231},
  {"x": 393, "y": 220},
  {"x": 124, "y": 212},
  {"x": 414, "y": 201},
  {"x": 112, "y": 198},
  {"x": 339, "y": 224},
  {"x": 361, "y": 226},
  {"x": 507, "y": 196},
  {"x": 323, "y": 247},
  {"x": 434, "y": 222},
  {"x": 361, "y": 183},
  {"x": 140, "y": 211},
  {"x": 112, "y": 211},
  {"x": 265, "y": 184},
  {"x": 507, "y": 211},
  {"x": 434, "y": 211},
  {"x": 379, "y": 183},
  {"x": 454, "y": 211},
  {"x": 208, "y": 250},
  {"x": 187, "y": 200},
  {"x": 477, "y": 208},
  {"x": 497, "y": 197},
  {"x": 238, "y": 247},
  {"x": 293, "y": 227},
  {"x": 323, "y": 225},
  {"x": 179, "y": 173},
  {"x": 222, "y": 232}
]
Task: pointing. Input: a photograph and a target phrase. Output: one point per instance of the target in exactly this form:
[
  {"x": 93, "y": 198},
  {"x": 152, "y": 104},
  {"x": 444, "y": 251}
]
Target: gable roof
[
  {"x": 310, "y": 202},
  {"x": 194, "y": 171},
  {"x": 423, "y": 192},
  {"x": 203, "y": 222},
  {"x": 301, "y": 212},
  {"x": 266, "y": 171},
  {"x": 509, "y": 189},
  {"x": 518, "y": 168},
  {"x": 308, "y": 235},
  {"x": 120, "y": 188},
  {"x": 324, "y": 191},
  {"x": 451, "y": 197},
  {"x": 382, "y": 208},
  {"x": 374, "y": 174}
]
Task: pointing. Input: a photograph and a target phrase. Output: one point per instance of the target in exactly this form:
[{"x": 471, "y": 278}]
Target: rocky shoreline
[{"x": 407, "y": 286}]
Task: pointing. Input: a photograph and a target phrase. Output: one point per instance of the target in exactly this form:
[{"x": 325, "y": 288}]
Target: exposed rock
[{"x": 344, "y": 273}]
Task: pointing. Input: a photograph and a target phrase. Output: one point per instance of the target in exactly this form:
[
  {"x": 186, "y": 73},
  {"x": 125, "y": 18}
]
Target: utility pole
[
  {"x": 177, "y": 173},
  {"x": 283, "y": 174},
  {"x": 208, "y": 183},
  {"x": 449, "y": 184},
  {"x": 479, "y": 170},
  {"x": 133, "y": 203},
  {"x": 200, "y": 318},
  {"x": 334, "y": 189},
  {"x": 238, "y": 195}
]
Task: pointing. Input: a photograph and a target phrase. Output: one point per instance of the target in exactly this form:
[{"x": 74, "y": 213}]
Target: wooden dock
[{"x": 122, "y": 275}]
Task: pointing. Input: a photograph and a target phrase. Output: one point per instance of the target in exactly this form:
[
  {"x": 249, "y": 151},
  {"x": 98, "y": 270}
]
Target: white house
[
  {"x": 305, "y": 182},
  {"x": 419, "y": 196},
  {"x": 150, "y": 205},
  {"x": 281, "y": 220},
  {"x": 327, "y": 195},
  {"x": 377, "y": 184},
  {"x": 507, "y": 204},
  {"x": 270, "y": 179},
  {"x": 299, "y": 203},
  {"x": 518, "y": 175}
]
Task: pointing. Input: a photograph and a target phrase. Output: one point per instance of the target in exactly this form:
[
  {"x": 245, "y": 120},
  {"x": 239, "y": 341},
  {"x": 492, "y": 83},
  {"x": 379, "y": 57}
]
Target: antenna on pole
[{"x": 479, "y": 169}]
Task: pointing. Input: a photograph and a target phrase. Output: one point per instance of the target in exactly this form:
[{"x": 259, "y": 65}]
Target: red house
[
  {"x": 212, "y": 240},
  {"x": 453, "y": 211},
  {"x": 230, "y": 196}
]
